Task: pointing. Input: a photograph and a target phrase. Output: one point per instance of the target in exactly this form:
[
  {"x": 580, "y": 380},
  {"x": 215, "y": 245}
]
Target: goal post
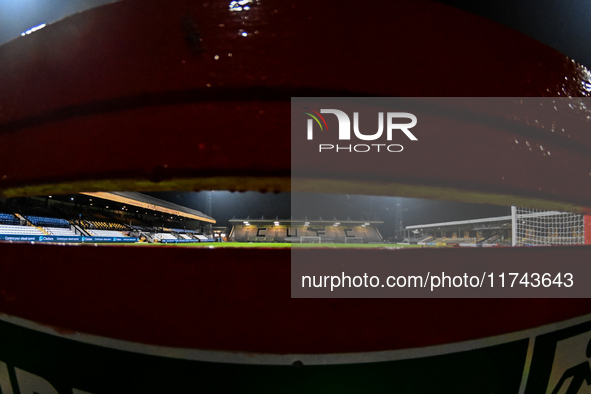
[
  {"x": 308, "y": 240},
  {"x": 354, "y": 240},
  {"x": 539, "y": 227}
]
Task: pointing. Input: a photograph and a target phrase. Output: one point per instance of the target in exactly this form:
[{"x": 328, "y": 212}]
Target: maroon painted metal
[
  {"x": 140, "y": 93},
  {"x": 118, "y": 85},
  {"x": 239, "y": 300}
]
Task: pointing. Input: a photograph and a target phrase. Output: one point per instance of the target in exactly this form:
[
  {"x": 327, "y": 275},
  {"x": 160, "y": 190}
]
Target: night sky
[{"x": 226, "y": 205}]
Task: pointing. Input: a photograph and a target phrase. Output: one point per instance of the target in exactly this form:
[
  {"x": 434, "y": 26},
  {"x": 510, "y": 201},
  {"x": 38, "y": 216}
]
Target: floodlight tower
[
  {"x": 399, "y": 228},
  {"x": 209, "y": 210}
]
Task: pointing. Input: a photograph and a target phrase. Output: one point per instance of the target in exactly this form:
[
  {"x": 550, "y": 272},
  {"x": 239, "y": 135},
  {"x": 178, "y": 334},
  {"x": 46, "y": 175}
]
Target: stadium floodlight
[
  {"x": 276, "y": 223},
  {"x": 33, "y": 29},
  {"x": 246, "y": 223}
]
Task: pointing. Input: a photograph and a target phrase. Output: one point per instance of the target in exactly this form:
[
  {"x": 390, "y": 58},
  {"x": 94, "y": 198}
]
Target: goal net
[
  {"x": 310, "y": 240},
  {"x": 539, "y": 227},
  {"x": 354, "y": 240}
]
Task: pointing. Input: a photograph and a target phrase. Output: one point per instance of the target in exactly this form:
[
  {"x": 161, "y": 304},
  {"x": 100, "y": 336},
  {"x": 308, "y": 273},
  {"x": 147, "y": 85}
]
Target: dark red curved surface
[
  {"x": 238, "y": 300},
  {"x": 119, "y": 84},
  {"x": 130, "y": 91}
]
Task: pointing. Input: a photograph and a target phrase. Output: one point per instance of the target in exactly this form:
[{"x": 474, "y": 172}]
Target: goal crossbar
[{"x": 310, "y": 239}]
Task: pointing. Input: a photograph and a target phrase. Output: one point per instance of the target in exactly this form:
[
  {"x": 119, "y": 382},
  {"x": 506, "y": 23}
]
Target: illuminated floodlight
[
  {"x": 240, "y": 5},
  {"x": 246, "y": 223},
  {"x": 276, "y": 223},
  {"x": 33, "y": 29}
]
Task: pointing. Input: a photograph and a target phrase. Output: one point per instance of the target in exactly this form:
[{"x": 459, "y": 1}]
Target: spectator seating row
[
  {"x": 87, "y": 224},
  {"x": 6, "y": 218},
  {"x": 460, "y": 240},
  {"x": 60, "y": 231},
  {"x": 19, "y": 230},
  {"x": 40, "y": 221},
  {"x": 164, "y": 236},
  {"x": 105, "y": 233}
]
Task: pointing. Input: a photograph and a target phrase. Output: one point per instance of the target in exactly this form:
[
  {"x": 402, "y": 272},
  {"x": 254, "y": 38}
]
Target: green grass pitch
[{"x": 215, "y": 245}]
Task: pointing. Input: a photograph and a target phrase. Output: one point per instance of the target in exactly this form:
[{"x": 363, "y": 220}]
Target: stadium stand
[
  {"x": 495, "y": 239},
  {"x": 6, "y": 218},
  {"x": 60, "y": 216},
  {"x": 105, "y": 233},
  {"x": 48, "y": 222},
  {"x": 60, "y": 231},
  {"x": 20, "y": 230},
  {"x": 332, "y": 231},
  {"x": 161, "y": 236},
  {"x": 460, "y": 240}
]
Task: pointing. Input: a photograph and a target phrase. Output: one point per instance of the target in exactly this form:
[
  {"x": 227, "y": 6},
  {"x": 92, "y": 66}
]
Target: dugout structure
[{"x": 305, "y": 231}]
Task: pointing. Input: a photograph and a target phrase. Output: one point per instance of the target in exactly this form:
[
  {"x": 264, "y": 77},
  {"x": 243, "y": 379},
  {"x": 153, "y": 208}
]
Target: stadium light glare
[
  {"x": 33, "y": 29},
  {"x": 276, "y": 223}
]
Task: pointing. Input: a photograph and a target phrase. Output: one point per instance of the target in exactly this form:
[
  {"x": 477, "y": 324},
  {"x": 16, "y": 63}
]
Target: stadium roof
[
  {"x": 460, "y": 222},
  {"x": 152, "y": 203}
]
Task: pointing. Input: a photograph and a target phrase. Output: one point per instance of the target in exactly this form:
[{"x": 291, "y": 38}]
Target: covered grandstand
[
  {"x": 304, "y": 230},
  {"x": 524, "y": 227},
  {"x": 101, "y": 217},
  {"x": 475, "y": 232}
]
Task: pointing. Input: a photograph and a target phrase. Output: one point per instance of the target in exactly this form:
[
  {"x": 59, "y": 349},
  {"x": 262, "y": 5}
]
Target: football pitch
[{"x": 215, "y": 245}]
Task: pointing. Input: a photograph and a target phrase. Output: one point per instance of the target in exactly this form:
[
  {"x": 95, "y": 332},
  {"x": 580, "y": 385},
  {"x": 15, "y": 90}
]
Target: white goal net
[
  {"x": 354, "y": 240},
  {"x": 539, "y": 227},
  {"x": 309, "y": 240}
]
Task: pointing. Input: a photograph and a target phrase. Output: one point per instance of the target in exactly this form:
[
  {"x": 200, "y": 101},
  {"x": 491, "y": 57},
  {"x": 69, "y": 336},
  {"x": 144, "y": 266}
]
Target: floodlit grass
[{"x": 279, "y": 245}]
